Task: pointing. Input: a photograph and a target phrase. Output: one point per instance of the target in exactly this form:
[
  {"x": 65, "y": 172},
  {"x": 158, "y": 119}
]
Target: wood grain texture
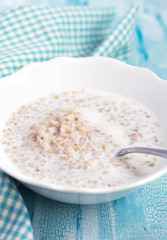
[{"x": 142, "y": 215}]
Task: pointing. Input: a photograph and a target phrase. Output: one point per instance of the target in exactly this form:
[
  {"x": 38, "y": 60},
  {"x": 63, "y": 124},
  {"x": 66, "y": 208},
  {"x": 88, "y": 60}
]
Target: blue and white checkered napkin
[
  {"x": 31, "y": 34},
  {"x": 14, "y": 218}
]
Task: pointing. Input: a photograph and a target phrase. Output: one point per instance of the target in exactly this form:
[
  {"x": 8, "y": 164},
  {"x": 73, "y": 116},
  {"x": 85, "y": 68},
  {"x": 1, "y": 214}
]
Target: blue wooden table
[{"x": 142, "y": 215}]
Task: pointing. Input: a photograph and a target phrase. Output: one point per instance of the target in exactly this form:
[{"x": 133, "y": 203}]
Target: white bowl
[{"x": 102, "y": 73}]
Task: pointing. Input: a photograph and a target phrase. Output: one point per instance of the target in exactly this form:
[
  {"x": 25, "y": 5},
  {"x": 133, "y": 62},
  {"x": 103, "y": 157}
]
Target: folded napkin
[{"x": 31, "y": 34}]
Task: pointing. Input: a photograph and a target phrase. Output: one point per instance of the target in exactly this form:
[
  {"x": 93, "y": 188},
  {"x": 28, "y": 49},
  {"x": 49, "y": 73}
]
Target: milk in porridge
[{"x": 71, "y": 139}]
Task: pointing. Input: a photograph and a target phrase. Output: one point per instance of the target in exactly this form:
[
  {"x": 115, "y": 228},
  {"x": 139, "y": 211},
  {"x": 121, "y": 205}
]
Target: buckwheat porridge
[{"x": 71, "y": 138}]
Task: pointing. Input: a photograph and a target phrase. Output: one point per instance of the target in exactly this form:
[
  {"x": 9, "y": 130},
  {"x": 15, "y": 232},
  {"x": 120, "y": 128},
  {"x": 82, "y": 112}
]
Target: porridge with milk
[{"x": 71, "y": 138}]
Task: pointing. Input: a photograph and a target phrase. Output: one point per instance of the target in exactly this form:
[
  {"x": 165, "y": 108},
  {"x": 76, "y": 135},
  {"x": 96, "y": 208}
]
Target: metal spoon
[{"x": 151, "y": 151}]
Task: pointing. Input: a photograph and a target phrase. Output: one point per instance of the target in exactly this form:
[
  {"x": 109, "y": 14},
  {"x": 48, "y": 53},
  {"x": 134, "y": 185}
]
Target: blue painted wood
[{"x": 142, "y": 215}]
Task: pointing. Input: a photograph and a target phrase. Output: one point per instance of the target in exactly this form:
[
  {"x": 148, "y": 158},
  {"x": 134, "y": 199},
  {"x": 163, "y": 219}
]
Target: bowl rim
[{"x": 67, "y": 189}]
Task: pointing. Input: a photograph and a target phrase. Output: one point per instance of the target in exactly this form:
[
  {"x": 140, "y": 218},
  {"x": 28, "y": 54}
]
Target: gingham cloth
[
  {"x": 30, "y": 34},
  {"x": 14, "y": 218}
]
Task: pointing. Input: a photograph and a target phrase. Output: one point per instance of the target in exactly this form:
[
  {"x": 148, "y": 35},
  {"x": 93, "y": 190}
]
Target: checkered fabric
[
  {"x": 31, "y": 34},
  {"x": 14, "y": 218},
  {"x": 119, "y": 42}
]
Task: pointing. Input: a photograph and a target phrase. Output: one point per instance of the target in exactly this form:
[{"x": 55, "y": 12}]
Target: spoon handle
[{"x": 151, "y": 151}]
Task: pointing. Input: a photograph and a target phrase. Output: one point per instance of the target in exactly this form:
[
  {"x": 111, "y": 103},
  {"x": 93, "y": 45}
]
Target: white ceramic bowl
[{"x": 102, "y": 73}]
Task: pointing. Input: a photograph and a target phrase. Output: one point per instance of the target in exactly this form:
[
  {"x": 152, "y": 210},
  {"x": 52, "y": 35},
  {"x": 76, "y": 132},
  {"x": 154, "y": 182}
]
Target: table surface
[{"x": 143, "y": 214}]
